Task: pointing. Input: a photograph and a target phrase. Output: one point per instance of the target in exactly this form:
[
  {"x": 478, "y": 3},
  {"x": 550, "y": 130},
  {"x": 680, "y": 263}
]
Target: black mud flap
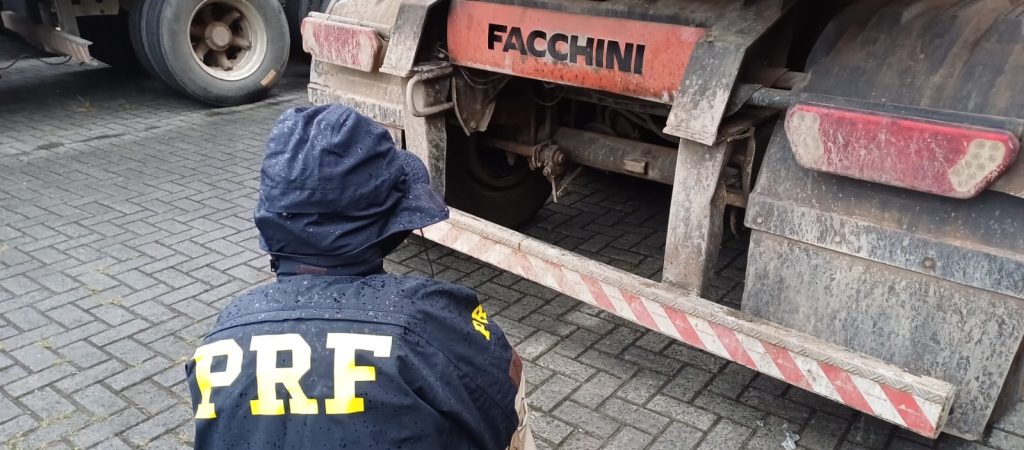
[{"x": 931, "y": 284}]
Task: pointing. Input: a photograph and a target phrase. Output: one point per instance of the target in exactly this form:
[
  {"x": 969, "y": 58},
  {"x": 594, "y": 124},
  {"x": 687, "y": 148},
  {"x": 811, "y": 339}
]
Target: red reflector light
[
  {"x": 338, "y": 43},
  {"x": 940, "y": 158}
]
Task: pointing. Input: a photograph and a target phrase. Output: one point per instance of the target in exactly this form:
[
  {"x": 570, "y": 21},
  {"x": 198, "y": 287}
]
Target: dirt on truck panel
[{"x": 905, "y": 177}]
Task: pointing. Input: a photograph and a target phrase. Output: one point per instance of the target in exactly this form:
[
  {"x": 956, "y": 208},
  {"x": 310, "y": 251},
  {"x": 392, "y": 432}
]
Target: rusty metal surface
[
  {"x": 638, "y": 159},
  {"x": 946, "y": 55},
  {"x": 764, "y": 97},
  {"x": 603, "y": 152},
  {"x": 957, "y": 258},
  {"x": 959, "y": 334},
  {"x": 641, "y": 59}
]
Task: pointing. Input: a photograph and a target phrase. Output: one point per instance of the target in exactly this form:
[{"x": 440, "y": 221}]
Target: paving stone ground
[{"x": 125, "y": 226}]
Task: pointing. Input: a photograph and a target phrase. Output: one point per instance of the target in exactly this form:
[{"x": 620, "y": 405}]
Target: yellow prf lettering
[
  {"x": 207, "y": 379},
  {"x": 480, "y": 315},
  {"x": 268, "y": 375},
  {"x": 480, "y": 321},
  {"x": 482, "y": 329},
  {"x": 347, "y": 373}
]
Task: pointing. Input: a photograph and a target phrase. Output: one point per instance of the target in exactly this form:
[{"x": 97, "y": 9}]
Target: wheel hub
[
  {"x": 218, "y": 36},
  {"x": 228, "y": 38}
]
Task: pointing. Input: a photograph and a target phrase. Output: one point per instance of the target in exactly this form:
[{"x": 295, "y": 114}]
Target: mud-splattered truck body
[{"x": 871, "y": 145}]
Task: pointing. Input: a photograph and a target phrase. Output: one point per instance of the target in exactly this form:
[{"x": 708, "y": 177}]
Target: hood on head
[{"x": 334, "y": 189}]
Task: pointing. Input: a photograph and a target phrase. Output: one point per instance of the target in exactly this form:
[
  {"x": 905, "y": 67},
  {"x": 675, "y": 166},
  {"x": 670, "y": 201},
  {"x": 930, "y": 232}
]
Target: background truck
[
  {"x": 222, "y": 52},
  {"x": 872, "y": 145}
]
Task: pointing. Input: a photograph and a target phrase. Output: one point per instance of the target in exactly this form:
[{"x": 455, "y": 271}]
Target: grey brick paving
[{"x": 125, "y": 226}]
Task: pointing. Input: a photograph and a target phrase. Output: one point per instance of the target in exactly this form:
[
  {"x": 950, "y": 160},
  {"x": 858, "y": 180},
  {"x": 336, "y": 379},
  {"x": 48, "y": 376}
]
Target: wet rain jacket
[
  {"x": 325, "y": 359},
  {"x": 446, "y": 380}
]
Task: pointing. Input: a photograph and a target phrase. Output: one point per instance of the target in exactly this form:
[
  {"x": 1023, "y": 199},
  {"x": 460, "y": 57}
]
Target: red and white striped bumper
[{"x": 919, "y": 404}]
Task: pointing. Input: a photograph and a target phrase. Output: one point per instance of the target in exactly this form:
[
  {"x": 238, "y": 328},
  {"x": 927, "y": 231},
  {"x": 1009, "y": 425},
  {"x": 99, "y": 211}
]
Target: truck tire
[
  {"x": 481, "y": 182},
  {"x": 234, "y": 52},
  {"x": 135, "y": 33},
  {"x": 295, "y": 11}
]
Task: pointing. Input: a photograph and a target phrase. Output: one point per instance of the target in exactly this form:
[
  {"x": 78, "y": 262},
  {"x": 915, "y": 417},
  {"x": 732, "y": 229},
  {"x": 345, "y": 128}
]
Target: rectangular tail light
[{"x": 947, "y": 159}]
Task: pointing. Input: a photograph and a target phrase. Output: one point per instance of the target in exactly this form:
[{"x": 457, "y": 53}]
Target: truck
[
  {"x": 871, "y": 145},
  {"x": 221, "y": 52}
]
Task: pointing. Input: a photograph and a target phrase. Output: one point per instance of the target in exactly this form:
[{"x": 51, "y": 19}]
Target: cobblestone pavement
[{"x": 125, "y": 226}]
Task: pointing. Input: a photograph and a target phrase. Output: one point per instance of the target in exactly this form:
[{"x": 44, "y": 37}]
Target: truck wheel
[
  {"x": 136, "y": 23},
  {"x": 295, "y": 11},
  {"x": 482, "y": 182},
  {"x": 222, "y": 52}
]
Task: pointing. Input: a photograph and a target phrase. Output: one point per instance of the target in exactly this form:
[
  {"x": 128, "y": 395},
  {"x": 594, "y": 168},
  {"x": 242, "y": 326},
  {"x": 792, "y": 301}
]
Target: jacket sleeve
[{"x": 468, "y": 368}]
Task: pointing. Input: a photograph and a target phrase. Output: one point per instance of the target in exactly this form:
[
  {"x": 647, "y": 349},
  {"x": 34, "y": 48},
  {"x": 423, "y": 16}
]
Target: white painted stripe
[
  {"x": 931, "y": 410},
  {"x": 665, "y": 325},
  {"x": 708, "y": 337},
  {"x": 578, "y": 288},
  {"x": 501, "y": 256},
  {"x": 465, "y": 242},
  {"x": 573, "y": 282},
  {"x": 815, "y": 377},
  {"x": 620, "y": 303},
  {"x": 541, "y": 274},
  {"x": 761, "y": 357},
  {"x": 875, "y": 397}
]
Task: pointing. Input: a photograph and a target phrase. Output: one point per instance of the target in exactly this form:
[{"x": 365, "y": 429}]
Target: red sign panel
[{"x": 629, "y": 57}]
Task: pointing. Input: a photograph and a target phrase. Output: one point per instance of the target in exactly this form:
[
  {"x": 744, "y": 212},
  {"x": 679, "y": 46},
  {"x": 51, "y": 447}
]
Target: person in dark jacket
[{"x": 337, "y": 353}]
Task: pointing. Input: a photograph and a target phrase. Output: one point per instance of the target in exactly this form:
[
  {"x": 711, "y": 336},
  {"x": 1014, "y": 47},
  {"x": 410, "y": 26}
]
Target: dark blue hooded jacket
[{"x": 335, "y": 353}]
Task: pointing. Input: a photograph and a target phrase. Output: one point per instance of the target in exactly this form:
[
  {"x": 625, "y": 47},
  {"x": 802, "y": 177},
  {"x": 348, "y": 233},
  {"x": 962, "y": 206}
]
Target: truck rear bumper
[{"x": 919, "y": 404}]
